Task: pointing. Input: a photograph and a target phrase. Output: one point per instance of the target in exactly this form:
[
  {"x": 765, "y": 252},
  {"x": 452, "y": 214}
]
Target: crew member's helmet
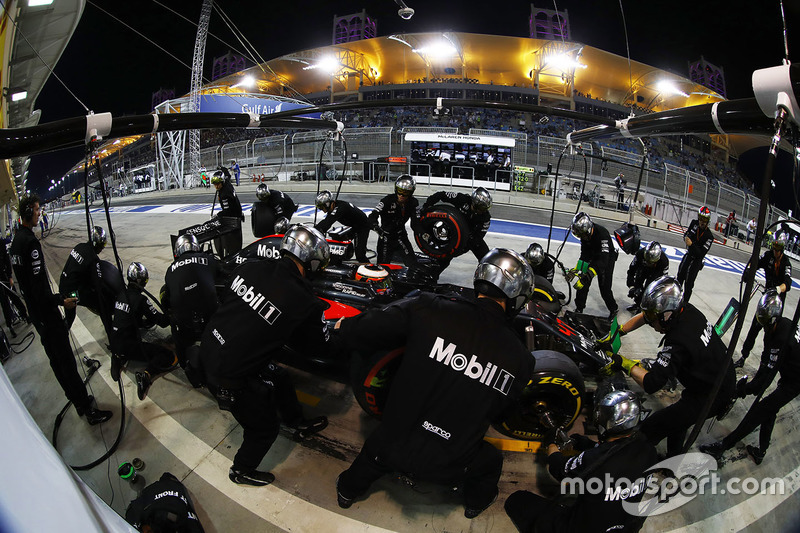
[
  {"x": 582, "y": 226},
  {"x": 617, "y": 413},
  {"x": 262, "y": 192},
  {"x": 99, "y": 239},
  {"x": 281, "y": 225},
  {"x": 662, "y": 302},
  {"x": 218, "y": 178},
  {"x": 704, "y": 214},
  {"x": 481, "y": 200},
  {"x": 503, "y": 273},
  {"x": 186, "y": 243},
  {"x": 769, "y": 309},
  {"x": 308, "y": 245},
  {"x": 535, "y": 254},
  {"x": 405, "y": 185},
  {"x": 779, "y": 243},
  {"x": 138, "y": 275},
  {"x": 652, "y": 253},
  {"x": 376, "y": 276},
  {"x": 324, "y": 200}
]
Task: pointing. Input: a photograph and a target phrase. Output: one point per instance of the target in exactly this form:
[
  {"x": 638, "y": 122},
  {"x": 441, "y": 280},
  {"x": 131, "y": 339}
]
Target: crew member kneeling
[
  {"x": 438, "y": 410},
  {"x": 622, "y": 453},
  {"x": 133, "y": 311},
  {"x": 267, "y": 305}
]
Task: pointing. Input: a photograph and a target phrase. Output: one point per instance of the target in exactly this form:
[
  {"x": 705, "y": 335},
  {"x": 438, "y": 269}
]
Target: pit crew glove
[
  {"x": 582, "y": 442},
  {"x": 612, "y": 342},
  {"x": 635, "y": 293},
  {"x": 741, "y": 387},
  {"x": 618, "y": 363},
  {"x": 583, "y": 280}
]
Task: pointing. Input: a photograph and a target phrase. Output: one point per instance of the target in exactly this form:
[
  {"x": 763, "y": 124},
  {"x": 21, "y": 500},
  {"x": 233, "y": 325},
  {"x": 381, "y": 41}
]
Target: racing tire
[
  {"x": 557, "y": 387},
  {"x": 262, "y": 220},
  {"x": 371, "y": 378},
  {"x": 545, "y": 295},
  {"x": 448, "y": 231}
]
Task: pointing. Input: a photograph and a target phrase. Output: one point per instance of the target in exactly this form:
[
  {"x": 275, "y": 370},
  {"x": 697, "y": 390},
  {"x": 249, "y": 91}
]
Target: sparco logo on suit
[
  {"x": 257, "y": 301},
  {"x": 488, "y": 374}
]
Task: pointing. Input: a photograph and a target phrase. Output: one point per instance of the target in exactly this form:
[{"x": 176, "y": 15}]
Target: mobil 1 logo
[
  {"x": 487, "y": 374},
  {"x": 257, "y": 301}
]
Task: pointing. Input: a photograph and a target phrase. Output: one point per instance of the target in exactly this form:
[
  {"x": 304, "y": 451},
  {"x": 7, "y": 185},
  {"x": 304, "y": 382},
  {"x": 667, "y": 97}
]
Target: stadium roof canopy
[{"x": 552, "y": 66}]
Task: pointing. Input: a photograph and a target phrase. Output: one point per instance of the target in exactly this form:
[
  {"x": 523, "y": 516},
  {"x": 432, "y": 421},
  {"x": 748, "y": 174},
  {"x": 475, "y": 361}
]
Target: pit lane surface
[{"x": 179, "y": 429}]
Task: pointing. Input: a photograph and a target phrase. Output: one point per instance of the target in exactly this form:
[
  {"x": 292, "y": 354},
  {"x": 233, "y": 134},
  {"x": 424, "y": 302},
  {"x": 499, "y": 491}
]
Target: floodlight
[
  {"x": 21, "y": 95},
  {"x": 668, "y": 87},
  {"x": 440, "y": 49}
]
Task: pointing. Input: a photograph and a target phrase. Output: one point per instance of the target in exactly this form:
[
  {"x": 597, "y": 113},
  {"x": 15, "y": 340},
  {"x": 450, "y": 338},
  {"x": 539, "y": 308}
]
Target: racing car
[{"x": 563, "y": 343}]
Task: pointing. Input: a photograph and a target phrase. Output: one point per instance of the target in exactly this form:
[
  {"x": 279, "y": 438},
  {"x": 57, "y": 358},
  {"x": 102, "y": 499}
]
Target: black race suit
[
  {"x": 777, "y": 272},
  {"x": 82, "y": 275},
  {"x": 190, "y": 297},
  {"x": 692, "y": 261},
  {"x": 781, "y": 355},
  {"x": 230, "y": 243},
  {"x": 133, "y": 311},
  {"x": 349, "y": 215},
  {"x": 393, "y": 236},
  {"x": 627, "y": 458},
  {"x": 266, "y": 305},
  {"x": 478, "y": 222},
  {"x": 546, "y": 269},
  {"x": 598, "y": 250},
  {"x": 29, "y": 266},
  {"x": 641, "y": 274},
  {"x": 463, "y": 368},
  {"x": 693, "y": 353},
  {"x": 165, "y": 502},
  {"x": 8, "y": 293},
  {"x": 281, "y": 204}
]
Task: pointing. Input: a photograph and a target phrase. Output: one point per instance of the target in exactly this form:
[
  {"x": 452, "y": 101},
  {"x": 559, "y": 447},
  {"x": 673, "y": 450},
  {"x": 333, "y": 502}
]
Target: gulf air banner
[{"x": 234, "y": 103}]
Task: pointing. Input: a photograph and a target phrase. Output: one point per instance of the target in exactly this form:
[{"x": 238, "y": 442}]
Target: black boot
[
  {"x": 143, "y": 382},
  {"x": 756, "y": 454},
  {"x": 116, "y": 366},
  {"x": 253, "y": 477},
  {"x": 93, "y": 415},
  {"x": 309, "y": 426},
  {"x": 714, "y": 449}
]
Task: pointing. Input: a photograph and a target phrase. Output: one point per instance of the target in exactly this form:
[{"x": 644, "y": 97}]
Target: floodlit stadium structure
[{"x": 382, "y": 89}]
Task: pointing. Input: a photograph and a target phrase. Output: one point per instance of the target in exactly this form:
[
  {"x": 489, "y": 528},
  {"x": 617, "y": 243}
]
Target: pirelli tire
[
  {"x": 545, "y": 295},
  {"x": 447, "y": 230},
  {"x": 262, "y": 220},
  {"x": 371, "y": 377},
  {"x": 557, "y": 388}
]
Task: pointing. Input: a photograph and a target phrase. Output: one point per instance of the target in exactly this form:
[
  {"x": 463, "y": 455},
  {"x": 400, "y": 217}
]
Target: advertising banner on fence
[{"x": 235, "y": 103}]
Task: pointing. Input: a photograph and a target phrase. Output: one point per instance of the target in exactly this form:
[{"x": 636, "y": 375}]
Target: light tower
[{"x": 197, "y": 81}]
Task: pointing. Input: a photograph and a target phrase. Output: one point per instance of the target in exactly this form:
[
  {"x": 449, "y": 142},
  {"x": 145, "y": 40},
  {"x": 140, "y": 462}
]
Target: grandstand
[{"x": 681, "y": 172}]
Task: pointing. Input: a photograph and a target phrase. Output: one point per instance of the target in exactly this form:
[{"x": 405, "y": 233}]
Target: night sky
[{"x": 111, "y": 68}]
